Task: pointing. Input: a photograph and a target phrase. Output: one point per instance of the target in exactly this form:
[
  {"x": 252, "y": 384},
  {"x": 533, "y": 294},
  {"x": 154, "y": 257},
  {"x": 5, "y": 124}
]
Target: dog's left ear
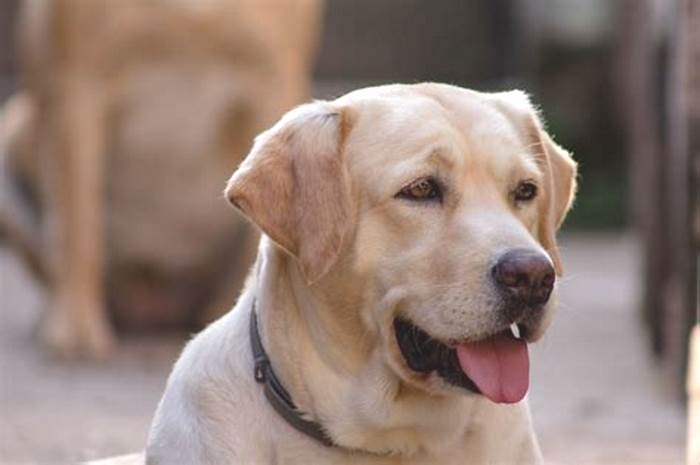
[
  {"x": 295, "y": 187},
  {"x": 561, "y": 178},
  {"x": 556, "y": 163}
]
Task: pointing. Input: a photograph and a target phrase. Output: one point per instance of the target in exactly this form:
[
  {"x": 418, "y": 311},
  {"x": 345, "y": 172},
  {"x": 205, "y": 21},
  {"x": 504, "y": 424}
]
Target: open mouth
[{"x": 497, "y": 367}]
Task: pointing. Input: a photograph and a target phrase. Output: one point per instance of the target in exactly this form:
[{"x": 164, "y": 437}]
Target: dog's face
[{"x": 442, "y": 203}]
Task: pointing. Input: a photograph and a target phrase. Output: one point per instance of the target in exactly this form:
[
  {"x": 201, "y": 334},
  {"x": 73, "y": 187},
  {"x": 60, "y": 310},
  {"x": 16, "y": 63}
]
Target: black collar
[{"x": 276, "y": 394}]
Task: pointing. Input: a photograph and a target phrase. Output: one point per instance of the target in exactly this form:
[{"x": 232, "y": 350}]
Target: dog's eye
[
  {"x": 526, "y": 190},
  {"x": 423, "y": 189}
]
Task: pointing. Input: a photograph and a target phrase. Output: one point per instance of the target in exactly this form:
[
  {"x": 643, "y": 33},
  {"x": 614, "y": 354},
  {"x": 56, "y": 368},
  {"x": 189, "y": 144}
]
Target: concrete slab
[{"x": 596, "y": 397}]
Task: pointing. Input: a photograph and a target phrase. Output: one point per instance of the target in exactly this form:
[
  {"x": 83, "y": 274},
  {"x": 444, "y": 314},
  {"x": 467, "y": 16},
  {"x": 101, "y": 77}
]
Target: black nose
[{"x": 525, "y": 275}]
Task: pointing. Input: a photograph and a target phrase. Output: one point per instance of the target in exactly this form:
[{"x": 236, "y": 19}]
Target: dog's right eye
[{"x": 423, "y": 189}]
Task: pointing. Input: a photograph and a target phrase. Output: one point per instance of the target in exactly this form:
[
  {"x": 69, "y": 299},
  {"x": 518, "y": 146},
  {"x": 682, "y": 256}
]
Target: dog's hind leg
[
  {"x": 17, "y": 226},
  {"x": 72, "y": 155}
]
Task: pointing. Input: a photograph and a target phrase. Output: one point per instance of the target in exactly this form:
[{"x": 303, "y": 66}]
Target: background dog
[{"x": 130, "y": 112}]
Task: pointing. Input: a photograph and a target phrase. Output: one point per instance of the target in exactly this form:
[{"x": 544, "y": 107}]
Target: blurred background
[{"x": 618, "y": 84}]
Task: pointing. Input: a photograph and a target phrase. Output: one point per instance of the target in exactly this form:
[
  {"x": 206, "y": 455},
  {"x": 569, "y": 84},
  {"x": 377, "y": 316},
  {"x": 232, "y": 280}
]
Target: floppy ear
[
  {"x": 557, "y": 165},
  {"x": 560, "y": 177},
  {"x": 295, "y": 187}
]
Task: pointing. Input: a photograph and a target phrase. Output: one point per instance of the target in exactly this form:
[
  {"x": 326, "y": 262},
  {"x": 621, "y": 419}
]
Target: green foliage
[{"x": 601, "y": 201}]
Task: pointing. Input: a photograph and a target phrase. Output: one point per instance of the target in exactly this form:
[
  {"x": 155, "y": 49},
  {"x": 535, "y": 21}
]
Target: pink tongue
[{"x": 499, "y": 366}]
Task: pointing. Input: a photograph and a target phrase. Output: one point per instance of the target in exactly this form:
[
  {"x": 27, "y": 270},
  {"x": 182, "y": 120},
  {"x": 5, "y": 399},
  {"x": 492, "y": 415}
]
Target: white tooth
[{"x": 515, "y": 330}]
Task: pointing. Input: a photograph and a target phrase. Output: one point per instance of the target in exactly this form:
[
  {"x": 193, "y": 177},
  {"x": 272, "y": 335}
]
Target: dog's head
[{"x": 436, "y": 206}]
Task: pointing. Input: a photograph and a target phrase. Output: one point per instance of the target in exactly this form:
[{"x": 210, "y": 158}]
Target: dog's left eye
[
  {"x": 526, "y": 190},
  {"x": 422, "y": 189}
]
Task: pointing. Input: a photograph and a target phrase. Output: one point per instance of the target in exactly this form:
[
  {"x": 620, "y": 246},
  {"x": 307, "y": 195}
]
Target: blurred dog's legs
[
  {"x": 73, "y": 132},
  {"x": 17, "y": 227},
  {"x": 234, "y": 275}
]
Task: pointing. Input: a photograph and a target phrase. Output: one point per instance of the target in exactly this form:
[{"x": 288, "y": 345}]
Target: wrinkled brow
[{"x": 439, "y": 156}]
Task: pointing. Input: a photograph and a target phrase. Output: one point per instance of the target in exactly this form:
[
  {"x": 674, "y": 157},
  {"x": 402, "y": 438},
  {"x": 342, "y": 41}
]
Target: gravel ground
[{"x": 597, "y": 398}]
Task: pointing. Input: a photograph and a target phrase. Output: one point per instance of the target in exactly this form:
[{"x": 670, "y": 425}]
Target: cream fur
[{"x": 327, "y": 323}]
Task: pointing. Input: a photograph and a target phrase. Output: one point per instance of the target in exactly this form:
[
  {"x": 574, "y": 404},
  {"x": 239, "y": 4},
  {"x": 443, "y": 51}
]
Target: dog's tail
[{"x": 17, "y": 117}]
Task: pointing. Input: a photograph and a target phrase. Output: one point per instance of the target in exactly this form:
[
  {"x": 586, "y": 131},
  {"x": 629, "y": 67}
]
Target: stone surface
[{"x": 597, "y": 398}]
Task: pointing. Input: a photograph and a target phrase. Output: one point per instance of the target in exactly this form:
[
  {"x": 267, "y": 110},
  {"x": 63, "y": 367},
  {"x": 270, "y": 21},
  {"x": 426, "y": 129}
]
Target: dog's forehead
[{"x": 397, "y": 124}]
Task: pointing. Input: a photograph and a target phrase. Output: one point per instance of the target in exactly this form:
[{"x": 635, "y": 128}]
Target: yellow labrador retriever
[
  {"x": 122, "y": 101},
  {"x": 407, "y": 260}
]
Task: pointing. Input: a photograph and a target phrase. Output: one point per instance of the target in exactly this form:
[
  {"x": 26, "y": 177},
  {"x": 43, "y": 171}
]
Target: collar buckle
[{"x": 261, "y": 367}]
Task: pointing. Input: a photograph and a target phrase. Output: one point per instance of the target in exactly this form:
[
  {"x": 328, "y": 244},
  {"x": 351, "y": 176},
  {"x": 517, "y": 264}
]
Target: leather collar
[{"x": 275, "y": 392}]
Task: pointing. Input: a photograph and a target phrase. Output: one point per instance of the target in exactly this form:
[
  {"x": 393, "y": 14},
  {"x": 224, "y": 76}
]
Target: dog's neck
[
  {"x": 295, "y": 327},
  {"x": 333, "y": 367}
]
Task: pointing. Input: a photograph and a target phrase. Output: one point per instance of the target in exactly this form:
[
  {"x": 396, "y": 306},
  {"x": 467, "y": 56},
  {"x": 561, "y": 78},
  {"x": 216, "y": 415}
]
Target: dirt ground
[{"x": 597, "y": 398}]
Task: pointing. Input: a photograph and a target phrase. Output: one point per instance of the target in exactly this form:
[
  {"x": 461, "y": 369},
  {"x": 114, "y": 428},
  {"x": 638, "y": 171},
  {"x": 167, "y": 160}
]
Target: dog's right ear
[
  {"x": 295, "y": 187},
  {"x": 558, "y": 167}
]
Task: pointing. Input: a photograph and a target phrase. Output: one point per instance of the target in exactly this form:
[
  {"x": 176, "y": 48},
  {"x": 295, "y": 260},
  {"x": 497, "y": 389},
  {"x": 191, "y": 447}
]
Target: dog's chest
[{"x": 458, "y": 456}]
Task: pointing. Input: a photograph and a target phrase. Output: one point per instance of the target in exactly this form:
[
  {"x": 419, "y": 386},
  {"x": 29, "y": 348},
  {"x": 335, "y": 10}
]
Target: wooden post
[
  {"x": 678, "y": 302},
  {"x": 692, "y": 30},
  {"x": 664, "y": 170},
  {"x": 638, "y": 78}
]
